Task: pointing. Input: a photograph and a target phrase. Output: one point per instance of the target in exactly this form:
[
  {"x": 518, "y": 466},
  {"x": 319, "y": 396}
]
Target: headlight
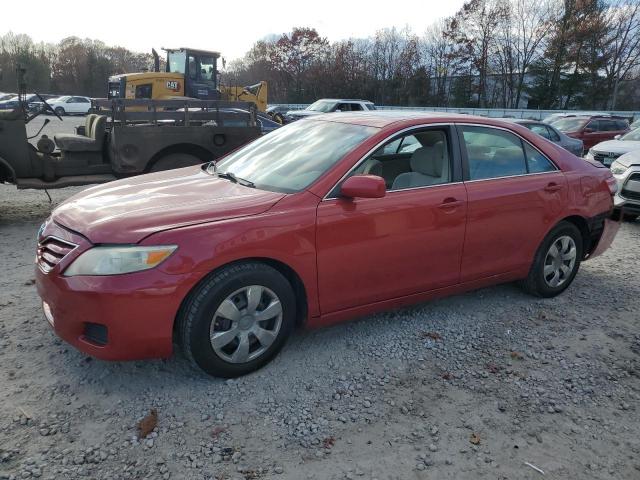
[
  {"x": 117, "y": 260},
  {"x": 590, "y": 154},
  {"x": 617, "y": 168}
]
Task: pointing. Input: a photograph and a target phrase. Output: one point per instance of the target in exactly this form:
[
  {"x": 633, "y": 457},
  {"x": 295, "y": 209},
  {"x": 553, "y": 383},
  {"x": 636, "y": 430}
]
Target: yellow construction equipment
[{"x": 189, "y": 74}]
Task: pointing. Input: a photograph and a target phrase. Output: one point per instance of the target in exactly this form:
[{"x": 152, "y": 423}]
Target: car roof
[
  {"x": 343, "y": 100},
  {"x": 385, "y": 118}
]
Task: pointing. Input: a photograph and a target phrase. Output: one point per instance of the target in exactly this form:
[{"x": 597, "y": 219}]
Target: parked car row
[{"x": 62, "y": 105}]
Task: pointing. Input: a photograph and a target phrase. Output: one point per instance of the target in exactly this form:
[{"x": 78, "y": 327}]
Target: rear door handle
[
  {"x": 553, "y": 187},
  {"x": 450, "y": 202}
]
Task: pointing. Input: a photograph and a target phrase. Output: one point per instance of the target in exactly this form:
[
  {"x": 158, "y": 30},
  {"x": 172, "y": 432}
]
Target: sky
[{"x": 225, "y": 26}]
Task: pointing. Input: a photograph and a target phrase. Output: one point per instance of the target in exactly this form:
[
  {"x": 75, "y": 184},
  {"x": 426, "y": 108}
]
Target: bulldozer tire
[{"x": 175, "y": 160}]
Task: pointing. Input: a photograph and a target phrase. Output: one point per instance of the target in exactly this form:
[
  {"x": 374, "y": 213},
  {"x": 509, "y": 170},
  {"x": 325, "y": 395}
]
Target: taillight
[{"x": 613, "y": 185}]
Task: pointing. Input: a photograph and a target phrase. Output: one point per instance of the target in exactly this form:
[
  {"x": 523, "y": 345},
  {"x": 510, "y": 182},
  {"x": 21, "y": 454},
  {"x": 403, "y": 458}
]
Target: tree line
[
  {"x": 492, "y": 53},
  {"x": 72, "y": 66},
  {"x": 547, "y": 54}
]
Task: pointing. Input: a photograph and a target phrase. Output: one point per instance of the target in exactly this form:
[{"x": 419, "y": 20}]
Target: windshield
[
  {"x": 292, "y": 157},
  {"x": 177, "y": 61},
  {"x": 321, "y": 106},
  {"x": 633, "y": 135},
  {"x": 570, "y": 124}
]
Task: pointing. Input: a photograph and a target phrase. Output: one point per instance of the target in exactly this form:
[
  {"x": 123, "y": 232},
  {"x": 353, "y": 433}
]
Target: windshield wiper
[{"x": 234, "y": 179}]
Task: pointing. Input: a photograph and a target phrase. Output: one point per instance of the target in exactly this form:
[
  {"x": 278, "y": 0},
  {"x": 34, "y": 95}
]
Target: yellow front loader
[{"x": 189, "y": 74}]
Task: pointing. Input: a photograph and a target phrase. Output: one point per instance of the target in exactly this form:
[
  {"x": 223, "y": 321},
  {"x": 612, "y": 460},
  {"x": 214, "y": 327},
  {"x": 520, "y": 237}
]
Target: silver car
[
  {"x": 551, "y": 133},
  {"x": 626, "y": 170},
  {"x": 606, "y": 152}
]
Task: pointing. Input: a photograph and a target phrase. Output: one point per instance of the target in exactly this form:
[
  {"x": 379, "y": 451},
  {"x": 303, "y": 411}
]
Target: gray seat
[
  {"x": 429, "y": 166},
  {"x": 372, "y": 167},
  {"x": 81, "y": 143}
]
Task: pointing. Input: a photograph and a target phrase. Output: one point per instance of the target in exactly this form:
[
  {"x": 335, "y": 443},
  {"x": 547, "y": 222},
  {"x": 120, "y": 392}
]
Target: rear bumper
[{"x": 610, "y": 229}]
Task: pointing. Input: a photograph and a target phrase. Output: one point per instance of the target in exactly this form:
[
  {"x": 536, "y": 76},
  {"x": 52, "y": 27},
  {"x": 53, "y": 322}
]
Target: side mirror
[
  {"x": 338, "y": 110},
  {"x": 617, "y": 137},
  {"x": 363, "y": 186},
  {"x": 588, "y": 130}
]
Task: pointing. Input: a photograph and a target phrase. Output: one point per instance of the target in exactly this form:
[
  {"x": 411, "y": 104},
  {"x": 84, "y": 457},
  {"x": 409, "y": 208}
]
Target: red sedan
[{"x": 323, "y": 220}]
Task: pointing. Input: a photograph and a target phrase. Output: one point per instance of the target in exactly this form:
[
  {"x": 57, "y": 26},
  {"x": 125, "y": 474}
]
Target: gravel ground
[{"x": 476, "y": 385}]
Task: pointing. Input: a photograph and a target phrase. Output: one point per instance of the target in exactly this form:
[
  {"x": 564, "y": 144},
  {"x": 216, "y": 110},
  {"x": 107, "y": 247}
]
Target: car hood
[
  {"x": 128, "y": 210},
  {"x": 302, "y": 113},
  {"x": 631, "y": 158},
  {"x": 617, "y": 146}
]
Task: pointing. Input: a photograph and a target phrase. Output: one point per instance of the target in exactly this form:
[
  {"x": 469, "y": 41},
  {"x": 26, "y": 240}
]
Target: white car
[
  {"x": 327, "y": 105},
  {"x": 606, "y": 152},
  {"x": 69, "y": 105},
  {"x": 626, "y": 170}
]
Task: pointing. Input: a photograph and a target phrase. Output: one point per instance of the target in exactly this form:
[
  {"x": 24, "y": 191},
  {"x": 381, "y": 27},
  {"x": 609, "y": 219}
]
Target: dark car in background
[
  {"x": 14, "y": 102},
  {"x": 31, "y": 101},
  {"x": 573, "y": 145},
  {"x": 592, "y": 129}
]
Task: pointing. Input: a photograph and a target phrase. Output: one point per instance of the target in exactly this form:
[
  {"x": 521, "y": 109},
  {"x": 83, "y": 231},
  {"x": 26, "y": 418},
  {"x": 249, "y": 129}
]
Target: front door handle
[
  {"x": 553, "y": 187},
  {"x": 450, "y": 202}
]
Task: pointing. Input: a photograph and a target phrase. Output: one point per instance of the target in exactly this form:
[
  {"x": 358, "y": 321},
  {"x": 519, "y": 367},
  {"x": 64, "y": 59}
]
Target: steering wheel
[{"x": 49, "y": 107}]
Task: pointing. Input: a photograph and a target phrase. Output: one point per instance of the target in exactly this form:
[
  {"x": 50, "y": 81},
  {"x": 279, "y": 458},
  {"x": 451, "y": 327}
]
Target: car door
[
  {"x": 407, "y": 242},
  {"x": 515, "y": 194},
  {"x": 82, "y": 104},
  {"x": 70, "y": 105}
]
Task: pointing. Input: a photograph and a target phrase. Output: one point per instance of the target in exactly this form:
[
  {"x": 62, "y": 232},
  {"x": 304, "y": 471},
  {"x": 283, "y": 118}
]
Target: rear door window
[
  {"x": 493, "y": 153},
  {"x": 594, "y": 125},
  {"x": 553, "y": 135},
  {"x": 540, "y": 130},
  {"x": 536, "y": 161},
  {"x": 608, "y": 125}
]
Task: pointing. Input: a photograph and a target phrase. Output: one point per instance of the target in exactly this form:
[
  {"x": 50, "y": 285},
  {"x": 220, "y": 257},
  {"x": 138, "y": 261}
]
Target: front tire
[
  {"x": 60, "y": 111},
  {"x": 556, "y": 262},
  {"x": 237, "y": 319}
]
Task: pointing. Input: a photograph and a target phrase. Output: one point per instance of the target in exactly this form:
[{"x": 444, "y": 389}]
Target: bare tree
[
  {"x": 531, "y": 26},
  {"x": 622, "y": 44}
]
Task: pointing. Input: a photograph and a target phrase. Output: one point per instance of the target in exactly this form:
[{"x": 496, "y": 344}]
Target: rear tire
[
  {"x": 175, "y": 160},
  {"x": 227, "y": 330},
  {"x": 556, "y": 262}
]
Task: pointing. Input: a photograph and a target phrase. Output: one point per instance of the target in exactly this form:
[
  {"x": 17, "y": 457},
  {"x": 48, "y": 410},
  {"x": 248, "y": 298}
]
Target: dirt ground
[{"x": 493, "y": 384}]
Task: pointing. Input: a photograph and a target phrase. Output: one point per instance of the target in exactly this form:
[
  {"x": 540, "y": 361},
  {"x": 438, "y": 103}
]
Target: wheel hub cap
[
  {"x": 560, "y": 261},
  {"x": 246, "y": 324}
]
